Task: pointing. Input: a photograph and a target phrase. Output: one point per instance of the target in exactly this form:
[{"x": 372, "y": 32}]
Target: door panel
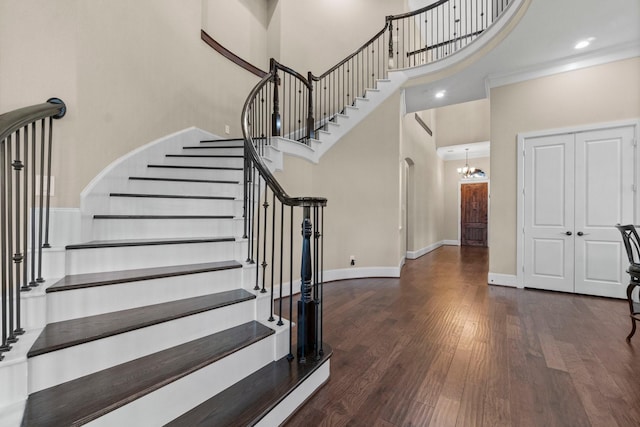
[
  {"x": 604, "y": 197},
  {"x": 548, "y": 211},
  {"x": 474, "y": 208}
]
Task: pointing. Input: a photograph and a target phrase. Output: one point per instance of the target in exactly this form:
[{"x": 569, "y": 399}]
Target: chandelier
[{"x": 468, "y": 171}]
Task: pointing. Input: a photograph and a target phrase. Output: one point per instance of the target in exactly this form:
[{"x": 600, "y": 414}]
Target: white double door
[{"x": 577, "y": 186}]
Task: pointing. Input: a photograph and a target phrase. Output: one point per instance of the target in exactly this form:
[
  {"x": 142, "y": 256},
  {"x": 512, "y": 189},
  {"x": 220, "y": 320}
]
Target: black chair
[{"x": 632, "y": 245}]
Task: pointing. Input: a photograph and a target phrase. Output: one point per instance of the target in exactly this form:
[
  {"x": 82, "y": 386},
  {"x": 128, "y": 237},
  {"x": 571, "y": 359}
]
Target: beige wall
[
  {"x": 315, "y": 35},
  {"x": 463, "y": 123},
  {"x": 425, "y": 197},
  {"x": 452, "y": 193},
  {"x": 594, "y": 95},
  {"x": 360, "y": 178},
  {"x": 240, "y": 26},
  {"x": 130, "y": 72}
]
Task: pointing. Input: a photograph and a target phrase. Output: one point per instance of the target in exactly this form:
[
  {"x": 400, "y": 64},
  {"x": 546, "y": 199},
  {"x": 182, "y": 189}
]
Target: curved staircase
[{"x": 157, "y": 321}]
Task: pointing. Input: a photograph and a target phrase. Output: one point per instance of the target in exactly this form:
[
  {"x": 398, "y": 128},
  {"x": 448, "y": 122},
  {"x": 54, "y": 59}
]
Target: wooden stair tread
[
  {"x": 250, "y": 399},
  {"x": 171, "y": 196},
  {"x": 193, "y": 147},
  {"x": 84, "y": 399},
  {"x": 207, "y": 156},
  {"x": 67, "y": 333},
  {"x": 79, "y": 281},
  {"x": 96, "y": 244},
  {"x": 163, "y": 216},
  {"x": 224, "y": 140},
  {"x": 195, "y": 167},
  {"x": 209, "y": 181}
]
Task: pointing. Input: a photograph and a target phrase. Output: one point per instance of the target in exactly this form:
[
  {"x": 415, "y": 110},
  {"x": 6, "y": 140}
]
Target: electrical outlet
[
  {"x": 352, "y": 260},
  {"x": 227, "y": 129}
]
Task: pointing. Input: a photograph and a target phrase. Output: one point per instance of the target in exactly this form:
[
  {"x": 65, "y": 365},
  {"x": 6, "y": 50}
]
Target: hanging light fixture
[{"x": 467, "y": 171}]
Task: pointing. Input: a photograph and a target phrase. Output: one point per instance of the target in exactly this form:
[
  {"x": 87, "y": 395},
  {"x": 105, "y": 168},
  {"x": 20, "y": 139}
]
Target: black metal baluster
[
  {"x": 41, "y": 207},
  {"x": 290, "y": 356},
  {"x": 3, "y": 240},
  {"x": 257, "y": 245},
  {"x": 280, "y": 322},
  {"x": 316, "y": 299},
  {"x": 33, "y": 282},
  {"x": 273, "y": 250},
  {"x": 25, "y": 213},
  {"x": 321, "y": 280},
  {"x": 264, "y": 264},
  {"x": 48, "y": 199},
  {"x": 10, "y": 231}
]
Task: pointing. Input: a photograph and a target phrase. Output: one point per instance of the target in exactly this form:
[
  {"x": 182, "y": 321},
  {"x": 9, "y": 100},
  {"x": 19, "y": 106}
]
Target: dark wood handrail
[
  {"x": 17, "y": 119},
  {"x": 230, "y": 55},
  {"x": 255, "y": 158}
]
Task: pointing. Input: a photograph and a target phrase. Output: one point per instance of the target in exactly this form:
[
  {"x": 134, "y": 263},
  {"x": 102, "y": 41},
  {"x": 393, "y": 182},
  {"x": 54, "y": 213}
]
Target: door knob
[
  {"x": 568, "y": 233},
  {"x": 580, "y": 233}
]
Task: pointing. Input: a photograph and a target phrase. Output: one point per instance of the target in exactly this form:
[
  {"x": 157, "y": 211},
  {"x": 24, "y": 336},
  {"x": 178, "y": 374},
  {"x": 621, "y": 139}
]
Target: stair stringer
[{"x": 337, "y": 128}]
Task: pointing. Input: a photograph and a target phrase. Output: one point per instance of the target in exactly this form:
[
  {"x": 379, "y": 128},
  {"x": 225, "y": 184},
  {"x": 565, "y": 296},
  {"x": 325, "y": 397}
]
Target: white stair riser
[
  {"x": 56, "y": 367},
  {"x": 104, "y": 229},
  {"x": 180, "y": 396},
  {"x": 168, "y": 206},
  {"x": 178, "y": 187},
  {"x": 220, "y": 174},
  {"x": 130, "y": 257},
  {"x": 72, "y": 304},
  {"x": 232, "y": 162},
  {"x": 236, "y": 151}
]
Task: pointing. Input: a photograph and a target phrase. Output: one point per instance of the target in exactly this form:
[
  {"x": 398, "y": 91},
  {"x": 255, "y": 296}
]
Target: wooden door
[
  {"x": 548, "y": 212},
  {"x": 473, "y": 219}
]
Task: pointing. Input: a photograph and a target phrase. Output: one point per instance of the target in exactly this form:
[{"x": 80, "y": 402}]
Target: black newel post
[
  {"x": 306, "y": 305},
  {"x": 276, "y": 124},
  {"x": 311, "y": 123},
  {"x": 390, "y": 43}
]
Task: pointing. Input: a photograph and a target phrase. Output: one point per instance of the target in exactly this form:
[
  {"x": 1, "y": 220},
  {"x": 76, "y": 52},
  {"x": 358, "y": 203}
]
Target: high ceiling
[{"x": 542, "y": 43}]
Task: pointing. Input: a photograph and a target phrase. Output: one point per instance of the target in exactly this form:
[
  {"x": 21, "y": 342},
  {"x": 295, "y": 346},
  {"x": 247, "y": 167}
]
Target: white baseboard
[
  {"x": 359, "y": 273},
  {"x": 451, "y": 242},
  {"x": 503, "y": 280},
  {"x": 425, "y": 250}
]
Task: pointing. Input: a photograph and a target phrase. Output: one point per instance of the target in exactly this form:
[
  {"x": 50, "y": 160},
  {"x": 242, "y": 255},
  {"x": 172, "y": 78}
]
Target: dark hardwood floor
[{"x": 440, "y": 347}]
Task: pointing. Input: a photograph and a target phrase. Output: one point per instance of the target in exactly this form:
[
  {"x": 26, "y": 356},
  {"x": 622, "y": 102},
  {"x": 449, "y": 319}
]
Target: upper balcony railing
[{"x": 407, "y": 40}]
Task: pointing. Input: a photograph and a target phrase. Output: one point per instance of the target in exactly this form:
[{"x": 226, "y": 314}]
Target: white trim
[
  {"x": 287, "y": 406},
  {"x": 360, "y": 273},
  {"x": 458, "y": 152},
  {"x": 425, "y": 250},
  {"x": 521, "y": 137},
  {"x": 503, "y": 280},
  {"x": 451, "y": 242},
  {"x": 598, "y": 57}
]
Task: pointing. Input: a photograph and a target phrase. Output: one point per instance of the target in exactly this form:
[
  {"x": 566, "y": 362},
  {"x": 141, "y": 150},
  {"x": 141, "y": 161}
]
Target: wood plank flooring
[{"x": 440, "y": 347}]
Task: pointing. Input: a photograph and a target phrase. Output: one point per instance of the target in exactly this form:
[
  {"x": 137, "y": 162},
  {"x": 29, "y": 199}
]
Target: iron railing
[
  {"x": 438, "y": 30},
  {"x": 270, "y": 212},
  {"x": 26, "y": 139},
  {"x": 406, "y": 40},
  {"x": 285, "y": 104}
]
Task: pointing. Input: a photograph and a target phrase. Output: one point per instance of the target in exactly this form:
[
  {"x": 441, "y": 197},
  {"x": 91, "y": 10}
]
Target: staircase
[{"x": 156, "y": 321}]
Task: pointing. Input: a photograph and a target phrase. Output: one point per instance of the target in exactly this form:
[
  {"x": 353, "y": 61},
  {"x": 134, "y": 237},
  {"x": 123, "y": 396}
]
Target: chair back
[{"x": 631, "y": 242}]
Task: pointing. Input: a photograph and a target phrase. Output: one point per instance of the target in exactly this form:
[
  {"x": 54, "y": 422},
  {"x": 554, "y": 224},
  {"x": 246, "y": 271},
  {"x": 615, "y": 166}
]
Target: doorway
[{"x": 474, "y": 207}]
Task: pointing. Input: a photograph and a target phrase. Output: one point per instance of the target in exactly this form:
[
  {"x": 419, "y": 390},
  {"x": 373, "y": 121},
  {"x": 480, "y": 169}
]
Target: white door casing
[{"x": 575, "y": 185}]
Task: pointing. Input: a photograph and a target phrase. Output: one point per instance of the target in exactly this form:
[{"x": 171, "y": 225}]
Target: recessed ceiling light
[
  {"x": 441, "y": 94},
  {"x": 583, "y": 43}
]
